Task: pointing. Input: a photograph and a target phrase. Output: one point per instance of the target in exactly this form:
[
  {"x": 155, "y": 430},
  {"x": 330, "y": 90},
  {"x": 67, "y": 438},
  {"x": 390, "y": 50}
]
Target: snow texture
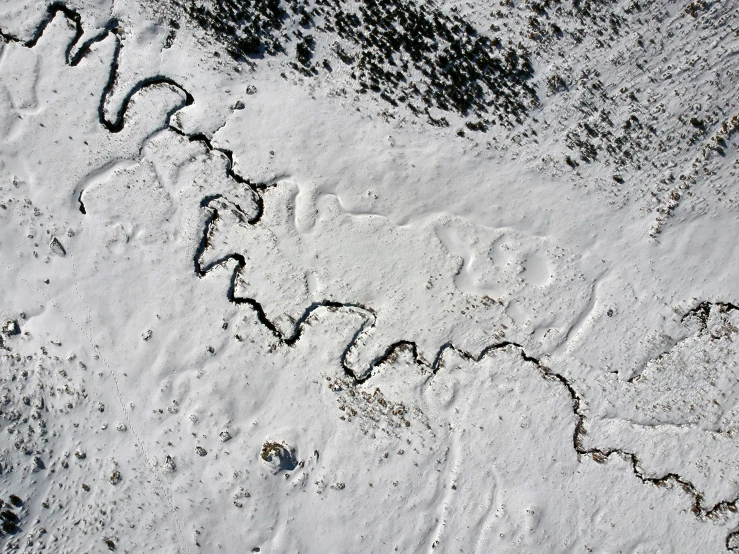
[{"x": 366, "y": 277}]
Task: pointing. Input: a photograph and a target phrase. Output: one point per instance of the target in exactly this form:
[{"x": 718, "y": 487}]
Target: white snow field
[{"x": 261, "y": 292}]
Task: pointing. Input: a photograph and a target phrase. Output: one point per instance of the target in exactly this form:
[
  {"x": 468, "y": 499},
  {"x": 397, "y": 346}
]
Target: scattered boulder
[
  {"x": 55, "y": 247},
  {"x": 169, "y": 463},
  {"x": 11, "y": 328},
  {"x": 278, "y": 456}
]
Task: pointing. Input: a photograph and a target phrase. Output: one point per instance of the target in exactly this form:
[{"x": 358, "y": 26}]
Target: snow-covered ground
[{"x": 286, "y": 301}]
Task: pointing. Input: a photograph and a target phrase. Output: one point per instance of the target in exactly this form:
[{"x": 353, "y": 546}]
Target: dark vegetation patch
[
  {"x": 406, "y": 52},
  {"x": 9, "y": 520},
  {"x": 504, "y": 66},
  {"x": 409, "y": 52}
]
